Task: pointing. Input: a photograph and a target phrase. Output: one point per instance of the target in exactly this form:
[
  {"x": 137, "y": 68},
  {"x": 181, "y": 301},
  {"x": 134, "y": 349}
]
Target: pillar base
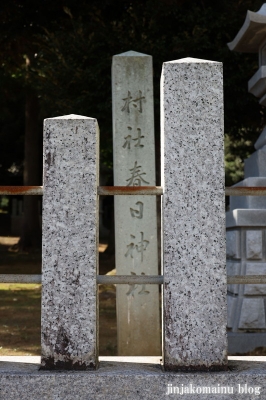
[{"x": 21, "y": 379}]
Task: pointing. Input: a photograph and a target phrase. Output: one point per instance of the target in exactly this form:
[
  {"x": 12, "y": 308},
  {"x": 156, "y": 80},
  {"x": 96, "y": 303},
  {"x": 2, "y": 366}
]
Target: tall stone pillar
[
  {"x": 193, "y": 215},
  {"x": 246, "y": 220},
  {"x": 70, "y": 248},
  {"x": 138, "y": 318}
]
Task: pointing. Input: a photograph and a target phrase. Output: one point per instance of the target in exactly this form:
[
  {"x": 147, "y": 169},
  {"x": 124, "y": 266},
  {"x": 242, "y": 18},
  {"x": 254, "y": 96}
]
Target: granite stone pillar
[
  {"x": 70, "y": 243},
  {"x": 193, "y": 215}
]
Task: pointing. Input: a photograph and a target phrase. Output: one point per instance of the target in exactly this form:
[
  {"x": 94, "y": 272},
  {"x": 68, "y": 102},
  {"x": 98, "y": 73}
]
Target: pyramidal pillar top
[{"x": 251, "y": 38}]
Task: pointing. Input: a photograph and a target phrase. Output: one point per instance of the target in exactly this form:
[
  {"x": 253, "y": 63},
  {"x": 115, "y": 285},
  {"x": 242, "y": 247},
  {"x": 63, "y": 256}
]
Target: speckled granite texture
[
  {"x": 70, "y": 248},
  {"x": 193, "y": 215},
  {"x": 125, "y": 380}
]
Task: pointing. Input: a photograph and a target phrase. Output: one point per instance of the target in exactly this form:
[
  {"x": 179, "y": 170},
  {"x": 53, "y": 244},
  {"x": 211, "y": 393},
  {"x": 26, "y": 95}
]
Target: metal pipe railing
[
  {"x": 102, "y": 190},
  {"x": 131, "y": 190},
  {"x": 130, "y": 280}
]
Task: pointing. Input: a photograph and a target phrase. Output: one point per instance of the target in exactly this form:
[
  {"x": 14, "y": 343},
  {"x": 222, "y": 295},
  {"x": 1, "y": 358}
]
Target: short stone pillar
[
  {"x": 70, "y": 248},
  {"x": 138, "y": 318},
  {"x": 246, "y": 220},
  {"x": 193, "y": 215}
]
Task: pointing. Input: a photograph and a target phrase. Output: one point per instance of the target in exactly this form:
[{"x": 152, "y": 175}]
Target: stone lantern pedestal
[{"x": 246, "y": 220}]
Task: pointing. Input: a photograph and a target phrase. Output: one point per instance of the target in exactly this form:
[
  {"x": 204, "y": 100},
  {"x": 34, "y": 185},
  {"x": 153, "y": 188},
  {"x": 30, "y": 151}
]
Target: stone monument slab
[{"x": 138, "y": 318}]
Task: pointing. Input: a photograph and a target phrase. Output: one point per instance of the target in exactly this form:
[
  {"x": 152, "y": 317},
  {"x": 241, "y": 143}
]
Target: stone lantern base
[{"x": 246, "y": 255}]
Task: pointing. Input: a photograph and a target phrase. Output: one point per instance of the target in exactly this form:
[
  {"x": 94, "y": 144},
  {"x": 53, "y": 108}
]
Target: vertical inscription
[
  {"x": 139, "y": 247},
  {"x": 128, "y": 139},
  {"x": 136, "y": 178},
  {"x": 137, "y": 102},
  {"x": 137, "y": 213},
  {"x": 133, "y": 287},
  {"x": 135, "y": 216}
]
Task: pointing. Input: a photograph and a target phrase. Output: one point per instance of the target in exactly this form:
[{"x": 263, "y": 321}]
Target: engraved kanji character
[
  {"x": 136, "y": 176},
  {"x": 129, "y": 99},
  {"x": 128, "y": 139},
  {"x": 139, "y": 247},
  {"x": 138, "y": 144},
  {"x": 142, "y": 245},
  {"x": 130, "y": 248},
  {"x": 139, "y": 99},
  {"x": 143, "y": 287},
  {"x": 132, "y": 287},
  {"x": 127, "y": 142},
  {"x": 137, "y": 213}
]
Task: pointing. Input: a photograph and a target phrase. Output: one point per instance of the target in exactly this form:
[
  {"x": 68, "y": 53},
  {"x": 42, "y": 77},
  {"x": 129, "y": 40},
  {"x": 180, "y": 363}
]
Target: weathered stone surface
[
  {"x": 261, "y": 141},
  {"x": 233, "y": 268},
  {"x": 240, "y": 340},
  {"x": 193, "y": 215},
  {"x": 138, "y": 318},
  {"x": 263, "y": 101},
  {"x": 245, "y": 218},
  {"x": 254, "y": 245},
  {"x": 252, "y": 33},
  {"x": 251, "y": 202},
  {"x": 233, "y": 244},
  {"x": 255, "y": 165},
  {"x": 70, "y": 248},
  {"x": 125, "y": 380},
  {"x": 243, "y": 342},
  {"x": 231, "y": 305},
  {"x": 257, "y": 84},
  {"x": 252, "y": 314},
  {"x": 255, "y": 269}
]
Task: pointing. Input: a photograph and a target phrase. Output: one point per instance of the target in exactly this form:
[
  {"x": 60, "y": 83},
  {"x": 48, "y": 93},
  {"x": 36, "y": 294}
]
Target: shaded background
[{"x": 56, "y": 60}]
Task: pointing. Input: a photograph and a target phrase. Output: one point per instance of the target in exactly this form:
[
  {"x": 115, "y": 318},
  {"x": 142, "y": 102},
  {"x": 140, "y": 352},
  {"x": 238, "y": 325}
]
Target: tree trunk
[{"x": 31, "y": 230}]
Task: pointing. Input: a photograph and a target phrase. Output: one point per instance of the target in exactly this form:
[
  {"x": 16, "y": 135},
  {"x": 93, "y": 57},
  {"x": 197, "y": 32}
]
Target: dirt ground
[{"x": 20, "y": 304}]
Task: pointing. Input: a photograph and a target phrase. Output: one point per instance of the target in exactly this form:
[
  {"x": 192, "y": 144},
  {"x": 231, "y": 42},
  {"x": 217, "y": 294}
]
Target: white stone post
[
  {"x": 70, "y": 243},
  {"x": 193, "y": 215},
  {"x": 138, "y": 318}
]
